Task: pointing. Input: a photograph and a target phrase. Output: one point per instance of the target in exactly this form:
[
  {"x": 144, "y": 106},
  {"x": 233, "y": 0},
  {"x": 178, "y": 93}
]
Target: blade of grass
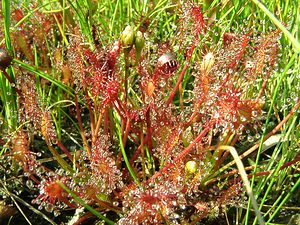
[
  {"x": 7, "y": 92},
  {"x": 6, "y": 16},
  {"x": 114, "y": 18},
  {"x": 125, "y": 157},
  {"x": 9, "y": 99},
  {"x": 267, "y": 184},
  {"x": 45, "y": 76},
  {"x": 79, "y": 8}
]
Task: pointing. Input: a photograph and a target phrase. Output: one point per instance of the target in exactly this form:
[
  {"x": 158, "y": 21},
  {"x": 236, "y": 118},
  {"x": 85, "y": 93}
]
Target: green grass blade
[
  {"x": 6, "y": 16},
  {"x": 126, "y": 158},
  {"x": 44, "y": 75}
]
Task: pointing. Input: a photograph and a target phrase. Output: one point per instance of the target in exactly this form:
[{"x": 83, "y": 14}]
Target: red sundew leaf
[
  {"x": 198, "y": 19},
  {"x": 265, "y": 52},
  {"x": 232, "y": 106},
  {"x": 52, "y": 193},
  {"x": 240, "y": 53},
  {"x": 111, "y": 92},
  {"x": 92, "y": 58},
  {"x": 228, "y": 38},
  {"x": 247, "y": 107},
  {"x": 46, "y": 26},
  {"x": 20, "y": 150},
  {"x": 96, "y": 84},
  {"x": 17, "y": 15},
  {"x": 113, "y": 54},
  {"x": 230, "y": 193}
]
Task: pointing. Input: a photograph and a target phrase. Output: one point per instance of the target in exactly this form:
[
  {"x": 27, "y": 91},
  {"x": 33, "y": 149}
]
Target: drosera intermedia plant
[{"x": 147, "y": 136}]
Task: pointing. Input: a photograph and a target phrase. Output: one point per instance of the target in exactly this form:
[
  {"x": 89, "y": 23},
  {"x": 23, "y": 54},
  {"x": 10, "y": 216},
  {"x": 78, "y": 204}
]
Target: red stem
[
  {"x": 90, "y": 112},
  {"x": 181, "y": 75},
  {"x": 106, "y": 121},
  {"x": 98, "y": 125},
  {"x": 11, "y": 81},
  {"x": 149, "y": 130},
  {"x": 126, "y": 132},
  {"x": 64, "y": 149}
]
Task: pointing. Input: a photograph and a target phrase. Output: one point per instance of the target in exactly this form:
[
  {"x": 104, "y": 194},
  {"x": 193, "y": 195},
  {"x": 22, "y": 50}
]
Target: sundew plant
[{"x": 149, "y": 112}]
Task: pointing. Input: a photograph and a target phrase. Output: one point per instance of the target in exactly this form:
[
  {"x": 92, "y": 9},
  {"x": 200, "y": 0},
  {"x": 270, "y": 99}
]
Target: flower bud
[
  {"x": 127, "y": 38},
  {"x": 207, "y": 63},
  {"x": 139, "y": 43},
  {"x": 191, "y": 167},
  {"x": 150, "y": 88},
  {"x": 187, "y": 137}
]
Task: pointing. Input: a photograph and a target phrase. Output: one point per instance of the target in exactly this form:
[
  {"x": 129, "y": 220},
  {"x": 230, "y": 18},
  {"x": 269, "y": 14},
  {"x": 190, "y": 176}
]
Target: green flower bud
[
  {"x": 139, "y": 41},
  {"x": 102, "y": 197},
  {"x": 127, "y": 38},
  {"x": 187, "y": 137},
  {"x": 191, "y": 167},
  {"x": 139, "y": 44}
]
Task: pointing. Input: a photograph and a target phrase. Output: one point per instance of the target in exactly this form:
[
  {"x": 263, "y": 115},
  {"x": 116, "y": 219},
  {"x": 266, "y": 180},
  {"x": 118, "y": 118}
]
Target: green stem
[
  {"x": 125, "y": 157},
  {"x": 126, "y": 56}
]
